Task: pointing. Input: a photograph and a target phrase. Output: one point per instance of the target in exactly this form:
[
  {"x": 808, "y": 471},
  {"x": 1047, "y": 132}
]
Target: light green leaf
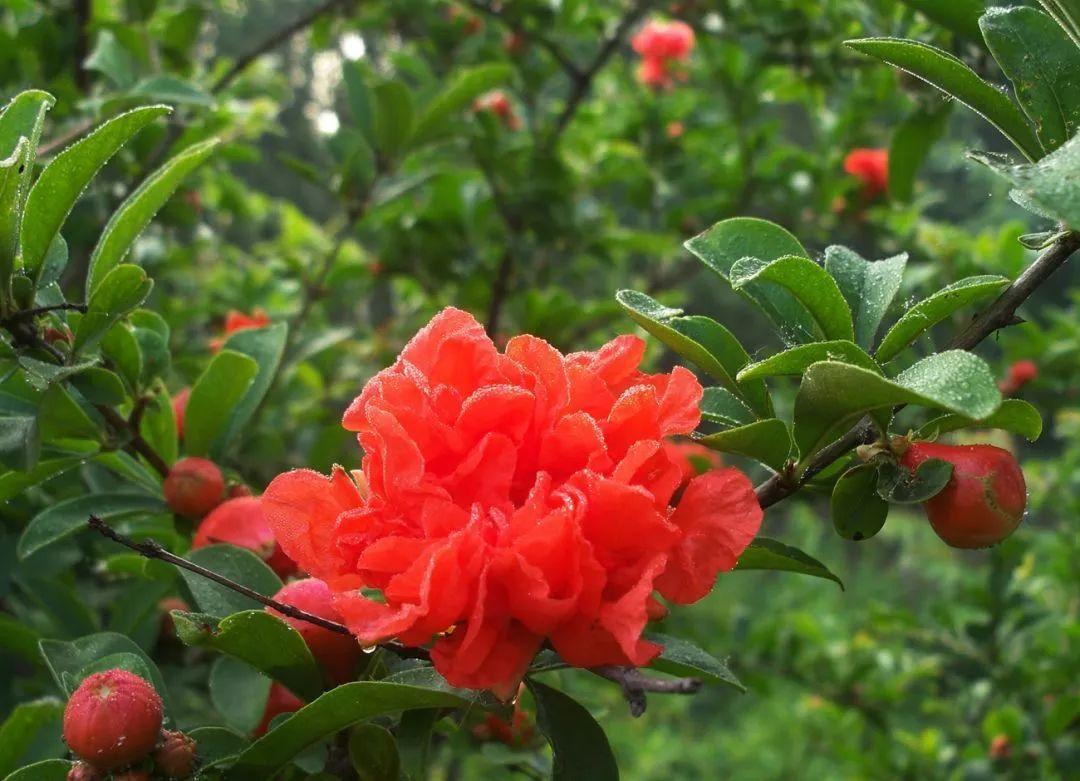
[
  {"x": 681, "y": 657},
  {"x": 1014, "y": 415},
  {"x": 767, "y": 441},
  {"x": 133, "y": 215},
  {"x": 238, "y": 565},
  {"x": 960, "y": 16},
  {"x": 721, "y": 406},
  {"x": 261, "y": 640},
  {"x": 1042, "y": 63},
  {"x": 808, "y": 282},
  {"x": 858, "y": 513},
  {"x": 797, "y": 360},
  {"x": 332, "y": 712},
  {"x": 834, "y": 395},
  {"x": 911, "y": 145},
  {"x": 112, "y": 59},
  {"x": 953, "y": 77},
  {"x": 46, "y": 770},
  {"x": 214, "y": 398},
  {"x": 239, "y": 693},
  {"x": 121, "y": 291},
  {"x": 579, "y": 745},
  {"x": 265, "y": 346},
  {"x": 393, "y": 118},
  {"x": 468, "y": 84},
  {"x": 66, "y": 176},
  {"x": 67, "y": 660},
  {"x": 868, "y": 287},
  {"x": 920, "y": 318},
  {"x": 62, "y": 519},
  {"x": 764, "y": 553},
  {"x": 22, "y": 728},
  {"x": 1051, "y": 187}
]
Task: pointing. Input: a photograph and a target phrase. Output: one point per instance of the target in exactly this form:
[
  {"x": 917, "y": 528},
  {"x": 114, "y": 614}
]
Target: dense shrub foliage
[{"x": 713, "y": 369}]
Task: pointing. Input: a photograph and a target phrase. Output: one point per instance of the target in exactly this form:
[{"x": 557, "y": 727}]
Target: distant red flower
[
  {"x": 239, "y": 321},
  {"x": 498, "y": 104},
  {"x": 871, "y": 167},
  {"x": 514, "y": 498},
  {"x": 675, "y": 129},
  {"x": 1020, "y": 374},
  {"x": 661, "y": 44}
]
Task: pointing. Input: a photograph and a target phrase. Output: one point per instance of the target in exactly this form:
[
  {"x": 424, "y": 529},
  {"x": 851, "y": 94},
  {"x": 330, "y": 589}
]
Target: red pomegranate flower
[
  {"x": 661, "y": 44},
  {"x": 512, "y": 498},
  {"x": 871, "y": 167},
  {"x": 239, "y": 321},
  {"x": 497, "y": 102}
]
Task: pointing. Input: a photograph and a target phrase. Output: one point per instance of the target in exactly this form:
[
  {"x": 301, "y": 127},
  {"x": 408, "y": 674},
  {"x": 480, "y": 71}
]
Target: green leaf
[
  {"x": 793, "y": 362},
  {"x": 216, "y": 744},
  {"x": 468, "y": 84},
  {"x": 1042, "y": 63},
  {"x": 15, "y": 482},
  {"x": 868, "y": 287},
  {"x": 67, "y": 660},
  {"x": 683, "y": 658},
  {"x": 834, "y": 395},
  {"x": 238, "y": 565},
  {"x": 46, "y": 770},
  {"x": 171, "y": 90},
  {"x": 924, "y": 315},
  {"x": 66, "y": 176},
  {"x": 1050, "y": 187},
  {"x": 767, "y": 441},
  {"x": 764, "y": 553},
  {"x": 729, "y": 241},
  {"x": 261, "y": 640},
  {"x": 720, "y": 406},
  {"x": 896, "y": 484},
  {"x": 239, "y": 693},
  {"x": 112, "y": 59},
  {"x": 158, "y": 426},
  {"x": 953, "y": 77},
  {"x": 135, "y": 213},
  {"x": 808, "y": 282},
  {"x": 332, "y": 712},
  {"x": 122, "y": 349},
  {"x": 20, "y": 442},
  {"x": 62, "y": 519},
  {"x": 1014, "y": 415},
  {"x": 121, "y": 291},
  {"x": 23, "y": 726},
  {"x": 393, "y": 118},
  {"x": 373, "y": 753},
  {"x": 1067, "y": 14},
  {"x": 858, "y": 513},
  {"x": 266, "y": 347},
  {"x": 100, "y": 386},
  {"x": 698, "y": 339},
  {"x": 214, "y": 398},
  {"x": 960, "y": 16},
  {"x": 579, "y": 745}
]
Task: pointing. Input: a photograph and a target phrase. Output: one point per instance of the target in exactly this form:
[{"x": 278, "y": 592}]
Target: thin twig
[
  {"x": 135, "y": 442},
  {"x": 636, "y": 684},
  {"x": 999, "y": 314},
  {"x": 545, "y": 43},
  {"x": 30, "y": 314}
]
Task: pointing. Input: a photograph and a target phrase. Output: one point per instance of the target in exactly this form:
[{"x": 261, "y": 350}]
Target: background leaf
[{"x": 579, "y": 745}]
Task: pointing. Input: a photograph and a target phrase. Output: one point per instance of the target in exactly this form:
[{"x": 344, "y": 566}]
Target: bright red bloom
[
  {"x": 239, "y": 321},
  {"x": 693, "y": 457},
  {"x": 241, "y": 522},
  {"x": 498, "y": 104},
  {"x": 1020, "y": 374},
  {"x": 514, "y": 498},
  {"x": 871, "y": 167},
  {"x": 661, "y": 44}
]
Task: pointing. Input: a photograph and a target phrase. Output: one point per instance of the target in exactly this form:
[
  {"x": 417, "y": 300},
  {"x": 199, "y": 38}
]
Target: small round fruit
[
  {"x": 179, "y": 406},
  {"x": 984, "y": 500},
  {"x": 281, "y": 700},
  {"x": 132, "y": 774},
  {"x": 194, "y": 487},
  {"x": 81, "y": 771},
  {"x": 113, "y": 719},
  {"x": 241, "y": 522},
  {"x": 175, "y": 757},
  {"x": 336, "y": 653}
]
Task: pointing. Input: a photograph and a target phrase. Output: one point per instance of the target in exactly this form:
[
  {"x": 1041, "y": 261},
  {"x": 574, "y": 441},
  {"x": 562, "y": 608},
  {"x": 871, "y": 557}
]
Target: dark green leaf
[
  {"x": 61, "y": 520},
  {"x": 1067, "y": 14},
  {"x": 393, "y": 118},
  {"x": 121, "y": 291},
  {"x": 238, "y": 565},
  {"x": 216, "y": 744},
  {"x": 266, "y": 347},
  {"x": 23, "y": 726},
  {"x": 858, "y": 513},
  {"x": 20, "y": 442},
  {"x": 239, "y": 693},
  {"x": 797, "y": 360},
  {"x": 579, "y": 745},
  {"x": 683, "y": 658},
  {"x": 720, "y": 406},
  {"x": 896, "y": 484},
  {"x": 764, "y": 553},
  {"x": 868, "y": 287},
  {"x": 100, "y": 386},
  {"x": 468, "y": 84},
  {"x": 67, "y": 660},
  {"x": 1014, "y": 415},
  {"x": 373, "y": 753},
  {"x": 46, "y": 770},
  {"x": 767, "y": 441},
  {"x": 214, "y": 398}
]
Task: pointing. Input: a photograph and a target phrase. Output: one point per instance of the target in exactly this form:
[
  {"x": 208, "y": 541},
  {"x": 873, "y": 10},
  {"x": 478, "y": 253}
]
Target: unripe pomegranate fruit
[
  {"x": 241, "y": 522},
  {"x": 175, "y": 757},
  {"x": 112, "y": 719},
  {"x": 194, "y": 487},
  {"x": 131, "y": 774},
  {"x": 336, "y": 653},
  {"x": 984, "y": 500},
  {"x": 281, "y": 700},
  {"x": 81, "y": 771}
]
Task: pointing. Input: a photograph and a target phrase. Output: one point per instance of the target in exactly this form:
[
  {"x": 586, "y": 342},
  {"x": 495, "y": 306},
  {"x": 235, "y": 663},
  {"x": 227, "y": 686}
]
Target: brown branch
[
  {"x": 136, "y": 442},
  {"x": 636, "y": 684},
  {"x": 999, "y": 314}
]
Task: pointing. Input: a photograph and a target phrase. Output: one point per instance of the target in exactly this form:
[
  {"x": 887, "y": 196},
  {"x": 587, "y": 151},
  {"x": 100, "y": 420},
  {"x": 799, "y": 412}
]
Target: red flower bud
[
  {"x": 1000, "y": 747},
  {"x": 112, "y": 719},
  {"x": 241, "y": 522},
  {"x": 131, "y": 775},
  {"x": 335, "y": 653},
  {"x": 281, "y": 700},
  {"x": 675, "y": 129},
  {"x": 194, "y": 487},
  {"x": 239, "y": 321},
  {"x": 179, "y": 408},
  {"x": 984, "y": 500},
  {"x": 871, "y": 167},
  {"x": 81, "y": 771},
  {"x": 175, "y": 757},
  {"x": 1020, "y": 374}
]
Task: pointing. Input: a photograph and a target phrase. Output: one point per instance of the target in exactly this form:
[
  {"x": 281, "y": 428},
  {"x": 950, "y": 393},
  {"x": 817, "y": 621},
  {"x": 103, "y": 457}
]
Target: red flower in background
[
  {"x": 871, "y": 167},
  {"x": 514, "y": 498},
  {"x": 238, "y": 321},
  {"x": 661, "y": 44},
  {"x": 498, "y": 104},
  {"x": 1020, "y": 374}
]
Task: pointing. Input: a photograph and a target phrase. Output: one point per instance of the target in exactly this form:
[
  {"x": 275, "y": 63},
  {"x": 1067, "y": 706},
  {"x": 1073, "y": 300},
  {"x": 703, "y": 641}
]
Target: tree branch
[
  {"x": 137, "y": 443},
  {"x": 999, "y": 314},
  {"x": 545, "y": 43},
  {"x": 636, "y": 684}
]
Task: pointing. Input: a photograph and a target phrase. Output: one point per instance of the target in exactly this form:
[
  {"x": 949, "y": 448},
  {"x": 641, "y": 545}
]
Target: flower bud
[
  {"x": 113, "y": 719},
  {"x": 175, "y": 757},
  {"x": 194, "y": 487}
]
